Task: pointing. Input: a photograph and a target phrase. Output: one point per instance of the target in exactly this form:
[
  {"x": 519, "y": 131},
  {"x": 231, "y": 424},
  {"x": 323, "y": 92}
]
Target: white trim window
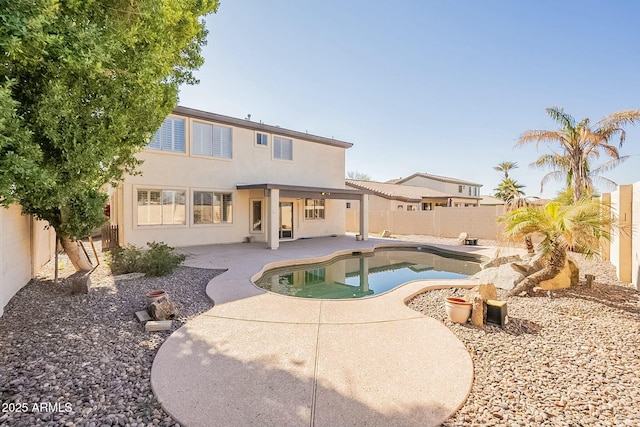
[
  {"x": 212, "y": 208},
  {"x": 262, "y": 139},
  {"x": 170, "y": 136},
  {"x": 282, "y": 148},
  {"x": 161, "y": 207},
  {"x": 314, "y": 209},
  {"x": 211, "y": 140}
]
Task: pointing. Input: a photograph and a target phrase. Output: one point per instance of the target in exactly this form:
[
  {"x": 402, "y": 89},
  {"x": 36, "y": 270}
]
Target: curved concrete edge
[{"x": 219, "y": 293}]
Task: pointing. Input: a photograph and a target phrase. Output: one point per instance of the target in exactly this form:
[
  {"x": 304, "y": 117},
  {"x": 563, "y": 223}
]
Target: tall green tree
[
  {"x": 84, "y": 84},
  {"x": 580, "y": 144},
  {"x": 581, "y": 226}
]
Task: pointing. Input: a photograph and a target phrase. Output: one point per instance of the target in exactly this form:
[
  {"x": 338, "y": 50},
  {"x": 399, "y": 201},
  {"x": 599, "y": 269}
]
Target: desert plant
[
  {"x": 580, "y": 226},
  {"x": 158, "y": 260}
]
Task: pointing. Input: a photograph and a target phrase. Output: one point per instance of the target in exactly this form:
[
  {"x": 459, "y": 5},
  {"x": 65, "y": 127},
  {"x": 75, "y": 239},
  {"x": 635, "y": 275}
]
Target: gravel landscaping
[
  {"x": 85, "y": 360},
  {"x": 572, "y": 360}
]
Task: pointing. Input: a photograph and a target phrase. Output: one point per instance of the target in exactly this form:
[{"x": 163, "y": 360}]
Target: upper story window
[
  {"x": 210, "y": 140},
  {"x": 262, "y": 139},
  {"x": 282, "y": 148},
  {"x": 460, "y": 188},
  {"x": 170, "y": 136}
]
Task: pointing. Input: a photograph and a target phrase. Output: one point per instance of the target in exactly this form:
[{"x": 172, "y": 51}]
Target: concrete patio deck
[{"x": 262, "y": 359}]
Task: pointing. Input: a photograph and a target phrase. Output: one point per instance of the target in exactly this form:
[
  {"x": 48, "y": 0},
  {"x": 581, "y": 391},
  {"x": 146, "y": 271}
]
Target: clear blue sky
[{"x": 442, "y": 87}]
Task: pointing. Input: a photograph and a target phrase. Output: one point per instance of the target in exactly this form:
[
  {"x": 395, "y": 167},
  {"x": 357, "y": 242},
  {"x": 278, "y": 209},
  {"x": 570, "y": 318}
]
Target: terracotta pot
[
  {"x": 154, "y": 295},
  {"x": 458, "y": 310}
]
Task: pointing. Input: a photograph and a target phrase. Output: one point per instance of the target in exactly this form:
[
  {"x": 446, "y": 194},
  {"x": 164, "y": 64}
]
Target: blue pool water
[{"x": 360, "y": 275}]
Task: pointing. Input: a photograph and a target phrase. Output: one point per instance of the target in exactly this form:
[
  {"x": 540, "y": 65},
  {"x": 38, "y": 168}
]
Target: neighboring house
[
  {"x": 402, "y": 208},
  {"x": 209, "y": 178},
  {"x": 462, "y": 193},
  {"x": 386, "y": 196},
  {"x": 487, "y": 200}
]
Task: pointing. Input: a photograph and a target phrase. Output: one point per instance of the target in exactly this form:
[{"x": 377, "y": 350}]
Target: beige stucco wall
[
  {"x": 25, "y": 246},
  {"x": 479, "y": 222},
  {"x": 635, "y": 236},
  {"x": 621, "y": 236},
  {"x": 313, "y": 165}
]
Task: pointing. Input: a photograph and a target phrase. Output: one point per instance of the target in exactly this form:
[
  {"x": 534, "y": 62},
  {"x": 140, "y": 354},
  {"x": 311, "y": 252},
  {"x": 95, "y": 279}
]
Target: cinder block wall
[{"x": 480, "y": 222}]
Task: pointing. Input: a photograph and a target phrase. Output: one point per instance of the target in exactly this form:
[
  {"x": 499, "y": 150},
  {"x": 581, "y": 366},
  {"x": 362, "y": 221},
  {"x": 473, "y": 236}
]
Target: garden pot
[
  {"x": 154, "y": 295},
  {"x": 458, "y": 310}
]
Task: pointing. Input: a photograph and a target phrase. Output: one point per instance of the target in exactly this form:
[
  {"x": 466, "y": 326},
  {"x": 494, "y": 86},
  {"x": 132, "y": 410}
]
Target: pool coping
[{"x": 231, "y": 365}]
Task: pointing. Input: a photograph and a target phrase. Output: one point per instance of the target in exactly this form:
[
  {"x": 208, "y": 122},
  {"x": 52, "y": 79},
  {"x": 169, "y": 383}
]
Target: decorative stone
[
  {"x": 496, "y": 262},
  {"x": 478, "y": 310},
  {"x": 80, "y": 282},
  {"x": 569, "y": 276},
  {"x": 487, "y": 292},
  {"x": 162, "y": 309},
  {"x": 503, "y": 277},
  {"x": 143, "y": 316},
  {"x": 154, "y": 325}
]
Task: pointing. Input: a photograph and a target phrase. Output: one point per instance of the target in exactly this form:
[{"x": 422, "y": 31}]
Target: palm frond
[{"x": 558, "y": 115}]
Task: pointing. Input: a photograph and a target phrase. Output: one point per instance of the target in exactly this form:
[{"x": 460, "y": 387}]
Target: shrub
[
  {"x": 125, "y": 260},
  {"x": 158, "y": 260}
]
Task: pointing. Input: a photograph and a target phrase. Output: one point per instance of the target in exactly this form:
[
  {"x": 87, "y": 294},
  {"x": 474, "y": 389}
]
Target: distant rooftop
[
  {"x": 434, "y": 177},
  {"x": 248, "y": 124},
  {"x": 406, "y": 193}
]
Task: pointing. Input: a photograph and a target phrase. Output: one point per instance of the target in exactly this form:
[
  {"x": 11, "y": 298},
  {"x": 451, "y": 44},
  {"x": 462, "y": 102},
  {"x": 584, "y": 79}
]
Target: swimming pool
[{"x": 364, "y": 274}]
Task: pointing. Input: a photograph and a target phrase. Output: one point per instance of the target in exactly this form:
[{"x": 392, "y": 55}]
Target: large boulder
[
  {"x": 503, "y": 276},
  {"x": 497, "y": 262},
  {"x": 568, "y": 276}
]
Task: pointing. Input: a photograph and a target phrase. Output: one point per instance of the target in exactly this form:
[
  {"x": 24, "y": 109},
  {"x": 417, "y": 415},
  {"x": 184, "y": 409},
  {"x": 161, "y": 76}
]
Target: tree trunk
[
  {"x": 529, "y": 243},
  {"x": 556, "y": 264},
  {"x": 76, "y": 255}
]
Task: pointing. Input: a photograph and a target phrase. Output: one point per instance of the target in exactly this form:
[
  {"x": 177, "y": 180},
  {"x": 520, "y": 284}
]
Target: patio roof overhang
[{"x": 299, "y": 191}]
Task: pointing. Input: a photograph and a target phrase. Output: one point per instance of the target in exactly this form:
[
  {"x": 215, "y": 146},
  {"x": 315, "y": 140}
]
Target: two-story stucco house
[
  {"x": 209, "y": 178},
  {"x": 461, "y": 193}
]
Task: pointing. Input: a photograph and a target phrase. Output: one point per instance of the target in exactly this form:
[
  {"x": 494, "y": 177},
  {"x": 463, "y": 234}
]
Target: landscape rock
[
  {"x": 569, "y": 276},
  {"x": 478, "y": 310},
  {"x": 496, "y": 262},
  {"x": 80, "y": 282},
  {"x": 503, "y": 277},
  {"x": 162, "y": 309}
]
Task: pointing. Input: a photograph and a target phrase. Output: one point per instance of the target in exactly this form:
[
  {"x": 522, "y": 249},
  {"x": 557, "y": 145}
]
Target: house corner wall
[{"x": 25, "y": 246}]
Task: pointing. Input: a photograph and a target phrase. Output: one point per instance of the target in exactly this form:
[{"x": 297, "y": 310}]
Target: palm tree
[
  {"x": 505, "y": 167},
  {"x": 580, "y": 226},
  {"x": 508, "y": 190},
  {"x": 580, "y": 144}
]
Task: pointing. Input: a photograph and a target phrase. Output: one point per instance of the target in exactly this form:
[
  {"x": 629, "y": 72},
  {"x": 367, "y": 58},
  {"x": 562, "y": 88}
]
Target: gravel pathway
[
  {"x": 85, "y": 360},
  {"x": 573, "y": 360}
]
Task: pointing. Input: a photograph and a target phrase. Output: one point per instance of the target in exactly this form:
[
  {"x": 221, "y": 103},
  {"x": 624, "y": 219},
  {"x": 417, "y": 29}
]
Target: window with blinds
[
  {"x": 212, "y": 208},
  {"x": 170, "y": 136},
  {"x": 282, "y": 148},
  {"x": 210, "y": 140}
]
